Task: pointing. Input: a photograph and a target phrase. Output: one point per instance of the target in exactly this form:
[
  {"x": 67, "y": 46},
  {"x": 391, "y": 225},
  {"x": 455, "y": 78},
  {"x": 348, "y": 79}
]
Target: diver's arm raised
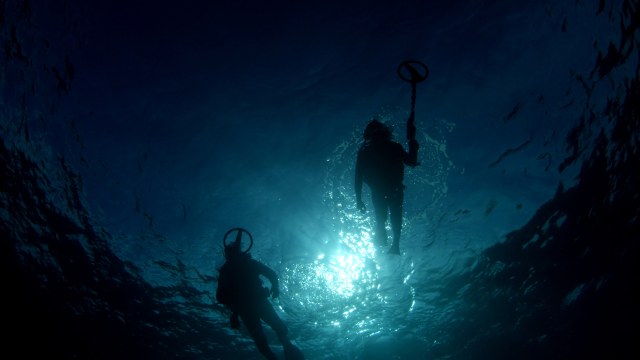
[
  {"x": 412, "y": 155},
  {"x": 271, "y": 275}
]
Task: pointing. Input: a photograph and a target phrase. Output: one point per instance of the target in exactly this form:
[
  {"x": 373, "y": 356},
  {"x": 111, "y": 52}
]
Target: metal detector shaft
[{"x": 409, "y": 72}]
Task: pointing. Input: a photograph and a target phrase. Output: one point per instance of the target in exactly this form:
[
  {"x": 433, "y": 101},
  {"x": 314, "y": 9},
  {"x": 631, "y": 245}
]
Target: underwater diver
[
  {"x": 240, "y": 289},
  {"x": 380, "y": 164}
]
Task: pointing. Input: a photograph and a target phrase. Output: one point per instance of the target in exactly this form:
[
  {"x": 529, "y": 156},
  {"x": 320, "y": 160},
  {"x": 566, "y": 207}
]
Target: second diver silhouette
[
  {"x": 240, "y": 290},
  {"x": 380, "y": 164}
]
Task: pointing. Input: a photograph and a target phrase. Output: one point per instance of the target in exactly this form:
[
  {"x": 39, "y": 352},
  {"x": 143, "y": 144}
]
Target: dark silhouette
[
  {"x": 240, "y": 289},
  {"x": 380, "y": 164}
]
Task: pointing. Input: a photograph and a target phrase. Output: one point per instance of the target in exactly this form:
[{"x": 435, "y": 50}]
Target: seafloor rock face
[
  {"x": 67, "y": 291},
  {"x": 563, "y": 285}
]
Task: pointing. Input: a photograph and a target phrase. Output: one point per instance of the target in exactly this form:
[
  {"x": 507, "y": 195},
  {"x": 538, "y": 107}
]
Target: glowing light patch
[{"x": 341, "y": 273}]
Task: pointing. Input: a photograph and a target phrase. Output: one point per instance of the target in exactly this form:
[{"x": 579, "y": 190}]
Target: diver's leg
[
  {"x": 380, "y": 208},
  {"x": 269, "y": 315},
  {"x": 254, "y": 326},
  {"x": 396, "y": 220}
]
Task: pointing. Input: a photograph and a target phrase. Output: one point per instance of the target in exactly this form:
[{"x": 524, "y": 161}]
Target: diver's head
[
  {"x": 376, "y": 130},
  {"x": 232, "y": 250}
]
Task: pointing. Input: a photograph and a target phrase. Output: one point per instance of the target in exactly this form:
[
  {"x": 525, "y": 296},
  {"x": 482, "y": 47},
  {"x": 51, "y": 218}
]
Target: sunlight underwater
[{"x": 560, "y": 286}]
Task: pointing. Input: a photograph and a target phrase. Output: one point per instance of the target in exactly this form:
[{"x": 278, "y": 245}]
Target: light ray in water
[{"x": 350, "y": 283}]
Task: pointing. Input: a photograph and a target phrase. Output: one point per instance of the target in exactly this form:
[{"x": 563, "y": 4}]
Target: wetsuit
[
  {"x": 240, "y": 289},
  {"x": 380, "y": 164}
]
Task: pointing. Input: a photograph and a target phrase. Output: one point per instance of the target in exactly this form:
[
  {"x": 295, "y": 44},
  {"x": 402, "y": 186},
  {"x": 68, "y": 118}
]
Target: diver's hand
[
  {"x": 234, "y": 322},
  {"x": 411, "y": 128},
  {"x": 275, "y": 292},
  {"x": 361, "y": 206}
]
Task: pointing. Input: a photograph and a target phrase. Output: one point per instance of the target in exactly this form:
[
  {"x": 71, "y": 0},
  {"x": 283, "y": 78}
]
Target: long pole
[{"x": 413, "y": 72}]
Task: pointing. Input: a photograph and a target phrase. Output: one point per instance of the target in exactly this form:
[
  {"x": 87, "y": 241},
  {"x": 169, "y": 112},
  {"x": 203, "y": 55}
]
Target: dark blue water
[{"x": 135, "y": 135}]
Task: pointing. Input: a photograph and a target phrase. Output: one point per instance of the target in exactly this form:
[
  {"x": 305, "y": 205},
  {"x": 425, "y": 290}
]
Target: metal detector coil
[
  {"x": 413, "y": 71},
  {"x": 238, "y": 239}
]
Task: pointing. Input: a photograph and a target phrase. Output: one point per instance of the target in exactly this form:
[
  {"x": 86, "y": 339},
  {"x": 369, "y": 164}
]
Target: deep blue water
[{"x": 134, "y": 135}]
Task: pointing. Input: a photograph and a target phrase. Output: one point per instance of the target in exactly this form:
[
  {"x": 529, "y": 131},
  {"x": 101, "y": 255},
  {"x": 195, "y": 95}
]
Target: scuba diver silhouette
[
  {"x": 240, "y": 289},
  {"x": 380, "y": 164}
]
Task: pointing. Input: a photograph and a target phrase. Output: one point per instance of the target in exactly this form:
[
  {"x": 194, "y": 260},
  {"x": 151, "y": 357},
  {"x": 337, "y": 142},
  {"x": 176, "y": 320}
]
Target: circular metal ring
[
  {"x": 417, "y": 71},
  {"x": 239, "y": 237}
]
